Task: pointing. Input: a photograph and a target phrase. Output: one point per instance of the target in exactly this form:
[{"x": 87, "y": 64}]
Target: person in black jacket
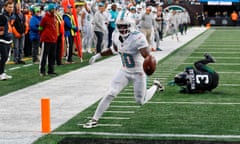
[
  {"x": 199, "y": 79},
  {"x": 4, "y": 47},
  {"x": 19, "y": 27}
]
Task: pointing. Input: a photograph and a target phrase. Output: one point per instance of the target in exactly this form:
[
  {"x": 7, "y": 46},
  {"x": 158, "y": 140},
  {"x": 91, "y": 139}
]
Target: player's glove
[{"x": 94, "y": 58}]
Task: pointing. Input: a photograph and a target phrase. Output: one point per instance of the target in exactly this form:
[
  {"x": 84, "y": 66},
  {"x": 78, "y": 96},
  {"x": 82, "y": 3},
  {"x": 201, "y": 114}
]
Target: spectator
[
  {"x": 48, "y": 37},
  {"x": 27, "y": 43},
  {"x": 70, "y": 29},
  {"x": 133, "y": 14},
  {"x": 139, "y": 14},
  {"x": 5, "y": 41},
  {"x": 161, "y": 17},
  {"x": 19, "y": 30},
  {"x": 100, "y": 27},
  {"x": 158, "y": 26},
  {"x": 147, "y": 23},
  {"x": 185, "y": 21},
  {"x": 234, "y": 18},
  {"x": 8, "y": 13},
  {"x": 174, "y": 24},
  {"x": 87, "y": 28},
  {"x": 78, "y": 9},
  {"x": 34, "y": 33},
  {"x": 112, "y": 23},
  {"x": 60, "y": 37}
]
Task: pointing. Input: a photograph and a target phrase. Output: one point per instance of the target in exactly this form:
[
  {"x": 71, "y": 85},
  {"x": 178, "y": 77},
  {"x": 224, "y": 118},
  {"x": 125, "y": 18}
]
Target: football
[{"x": 149, "y": 65}]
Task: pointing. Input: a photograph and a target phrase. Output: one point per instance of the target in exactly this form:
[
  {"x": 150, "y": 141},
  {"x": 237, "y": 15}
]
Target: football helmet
[
  {"x": 124, "y": 23},
  {"x": 181, "y": 79}
]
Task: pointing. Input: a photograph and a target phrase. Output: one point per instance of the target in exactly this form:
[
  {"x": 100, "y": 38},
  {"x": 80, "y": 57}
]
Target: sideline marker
[{"x": 45, "y": 111}]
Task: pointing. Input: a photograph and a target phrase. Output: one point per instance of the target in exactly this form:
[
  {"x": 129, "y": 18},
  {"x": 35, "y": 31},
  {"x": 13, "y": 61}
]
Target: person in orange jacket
[
  {"x": 234, "y": 18},
  {"x": 27, "y": 43}
]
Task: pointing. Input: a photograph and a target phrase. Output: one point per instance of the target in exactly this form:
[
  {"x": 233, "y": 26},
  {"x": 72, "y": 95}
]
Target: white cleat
[
  {"x": 90, "y": 124},
  {"x": 159, "y": 85},
  {"x": 4, "y": 76}
]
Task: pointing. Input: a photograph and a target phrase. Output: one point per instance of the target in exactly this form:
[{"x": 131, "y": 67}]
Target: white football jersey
[{"x": 131, "y": 57}]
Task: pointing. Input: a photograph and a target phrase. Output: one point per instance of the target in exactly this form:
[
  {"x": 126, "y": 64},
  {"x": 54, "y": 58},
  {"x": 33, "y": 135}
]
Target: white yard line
[
  {"x": 123, "y": 101},
  {"x": 195, "y": 103},
  {"x": 189, "y": 103},
  {"x": 125, "y": 106},
  {"x": 126, "y": 112},
  {"x": 113, "y": 118},
  {"x": 27, "y": 65},
  {"x": 220, "y": 52},
  {"x": 218, "y": 57},
  {"x": 150, "y": 135},
  {"x": 125, "y": 97},
  {"x": 105, "y": 125},
  {"x": 230, "y": 85},
  {"x": 14, "y": 68},
  {"x": 229, "y": 72},
  {"x": 18, "y": 67},
  {"x": 125, "y": 93},
  {"x": 230, "y": 64}
]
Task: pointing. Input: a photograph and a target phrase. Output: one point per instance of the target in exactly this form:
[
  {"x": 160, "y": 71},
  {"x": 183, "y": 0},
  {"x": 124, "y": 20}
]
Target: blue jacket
[
  {"x": 34, "y": 24},
  {"x": 114, "y": 15},
  {"x": 68, "y": 25}
]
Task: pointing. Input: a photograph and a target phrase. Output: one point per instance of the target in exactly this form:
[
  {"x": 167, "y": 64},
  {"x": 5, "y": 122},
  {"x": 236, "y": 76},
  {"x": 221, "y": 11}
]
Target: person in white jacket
[
  {"x": 174, "y": 24},
  {"x": 184, "y": 21}
]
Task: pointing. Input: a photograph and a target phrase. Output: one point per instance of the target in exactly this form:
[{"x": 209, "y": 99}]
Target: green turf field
[{"x": 170, "y": 115}]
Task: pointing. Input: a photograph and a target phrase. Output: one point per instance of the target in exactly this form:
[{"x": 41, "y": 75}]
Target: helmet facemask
[
  {"x": 181, "y": 79},
  {"x": 124, "y": 29},
  {"x": 125, "y": 24}
]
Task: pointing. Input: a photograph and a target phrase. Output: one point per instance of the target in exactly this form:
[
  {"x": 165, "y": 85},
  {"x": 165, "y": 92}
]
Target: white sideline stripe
[
  {"x": 190, "y": 103},
  {"x": 195, "y": 103},
  {"x": 236, "y": 47},
  {"x": 221, "y": 49},
  {"x": 229, "y": 72},
  {"x": 230, "y": 64},
  {"x": 221, "y": 52},
  {"x": 113, "y": 118},
  {"x": 27, "y": 65},
  {"x": 119, "y": 112},
  {"x": 230, "y": 85},
  {"x": 14, "y": 68},
  {"x": 210, "y": 44},
  {"x": 218, "y": 57},
  {"x": 105, "y": 125},
  {"x": 148, "y": 135},
  {"x": 125, "y": 106}
]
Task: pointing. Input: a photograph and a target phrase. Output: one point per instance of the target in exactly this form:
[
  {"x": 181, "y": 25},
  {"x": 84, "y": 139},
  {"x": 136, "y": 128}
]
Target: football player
[
  {"x": 132, "y": 47},
  {"x": 199, "y": 79}
]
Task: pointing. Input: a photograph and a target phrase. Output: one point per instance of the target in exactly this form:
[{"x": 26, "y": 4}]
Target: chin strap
[{"x": 123, "y": 38}]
